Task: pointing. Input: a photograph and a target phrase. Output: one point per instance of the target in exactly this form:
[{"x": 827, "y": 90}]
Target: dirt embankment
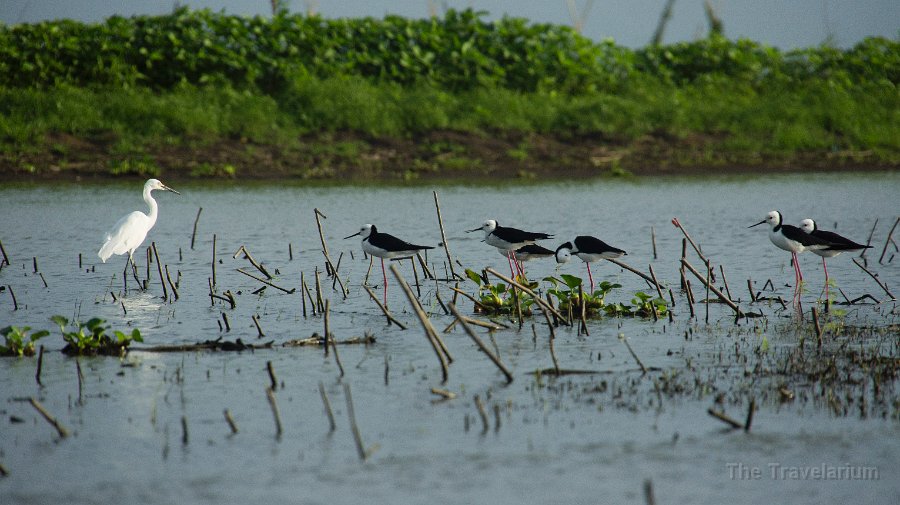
[{"x": 437, "y": 155}]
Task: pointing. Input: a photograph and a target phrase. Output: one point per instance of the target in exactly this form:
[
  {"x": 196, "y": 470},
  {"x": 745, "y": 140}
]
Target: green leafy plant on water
[
  {"x": 568, "y": 291},
  {"x": 646, "y": 305},
  {"x": 90, "y": 338},
  {"x": 18, "y": 341},
  {"x": 500, "y": 298}
]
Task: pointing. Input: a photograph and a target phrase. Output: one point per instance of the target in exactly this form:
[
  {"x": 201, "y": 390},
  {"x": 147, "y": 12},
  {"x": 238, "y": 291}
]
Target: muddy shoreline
[{"x": 437, "y": 155}]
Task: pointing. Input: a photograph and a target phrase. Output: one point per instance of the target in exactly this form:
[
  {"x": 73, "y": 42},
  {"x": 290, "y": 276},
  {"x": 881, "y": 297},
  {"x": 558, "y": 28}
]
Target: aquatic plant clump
[{"x": 90, "y": 337}]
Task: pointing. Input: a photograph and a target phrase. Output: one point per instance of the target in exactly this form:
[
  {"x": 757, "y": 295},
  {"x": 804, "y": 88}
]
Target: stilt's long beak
[
  {"x": 757, "y": 224},
  {"x": 475, "y": 229},
  {"x": 351, "y": 236}
]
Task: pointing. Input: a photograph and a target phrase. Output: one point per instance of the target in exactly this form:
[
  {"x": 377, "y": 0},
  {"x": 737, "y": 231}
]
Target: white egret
[{"x": 129, "y": 232}]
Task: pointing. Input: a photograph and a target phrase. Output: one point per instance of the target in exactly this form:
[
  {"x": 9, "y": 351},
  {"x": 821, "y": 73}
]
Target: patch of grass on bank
[{"x": 778, "y": 120}]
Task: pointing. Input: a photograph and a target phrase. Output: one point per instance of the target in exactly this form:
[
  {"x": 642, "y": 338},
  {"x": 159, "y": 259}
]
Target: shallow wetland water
[{"x": 149, "y": 427}]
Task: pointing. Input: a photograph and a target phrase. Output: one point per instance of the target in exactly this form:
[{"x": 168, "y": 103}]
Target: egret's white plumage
[{"x": 129, "y": 232}]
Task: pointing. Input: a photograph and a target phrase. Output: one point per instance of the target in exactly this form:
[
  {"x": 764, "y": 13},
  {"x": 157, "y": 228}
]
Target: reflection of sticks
[
  {"x": 270, "y": 395},
  {"x": 387, "y": 314},
  {"x": 6, "y": 258},
  {"x": 750, "y": 410},
  {"x": 272, "y": 378},
  {"x": 357, "y": 438},
  {"x": 481, "y": 412},
  {"x": 437, "y": 206},
  {"x": 815, "y": 317},
  {"x": 875, "y": 277},
  {"x": 214, "y": 262},
  {"x": 888, "y": 241},
  {"x": 480, "y": 344},
  {"x": 248, "y": 274},
  {"x": 327, "y": 404},
  {"x": 13, "y": 295},
  {"x": 430, "y": 332},
  {"x": 40, "y": 365},
  {"x": 63, "y": 432},
  {"x": 715, "y": 290}
]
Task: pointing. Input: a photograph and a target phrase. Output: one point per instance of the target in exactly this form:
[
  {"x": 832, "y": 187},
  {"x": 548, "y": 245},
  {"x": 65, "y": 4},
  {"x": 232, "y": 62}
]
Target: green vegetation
[
  {"x": 18, "y": 341},
  {"x": 147, "y": 89},
  {"x": 91, "y": 338}
]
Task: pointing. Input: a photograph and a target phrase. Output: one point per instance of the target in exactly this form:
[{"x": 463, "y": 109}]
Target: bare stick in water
[
  {"x": 390, "y": 318},
  {"x": 480, "y": 344},
  {"x": 162, "y": 279},
  {"x": 231, "y": 423},
  {"x": 875, "y": 277},
  {"x": 252, "y": 261},
  {"x": 633, "y": 355},
  {"x": 721, "y": 416},
  {"x": 40, "y": 365},
  {"x": 430, "y": 332},
  {"x": 711, "y": 287},
  {"x": 194, "y": 233},
  {"x": 437, "y": 206},
  {"x": 540, "y": 301},
  {"x": 63, "y": 432},
  {"x": 248, "y": 274},
  {"x": 888, "y": 241}
]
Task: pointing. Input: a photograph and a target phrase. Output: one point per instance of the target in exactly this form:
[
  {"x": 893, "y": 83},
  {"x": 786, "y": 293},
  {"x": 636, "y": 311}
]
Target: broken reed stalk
[
  {"x": 815, "y": 317},
  {"x": 490, "y": 354},
  {"x": 184, "y": 430},
  {"x": 390, "y": 318},
  {"x": 869, "y": 240},
  {"x": 725, "y": 281},
  {"x": 6, "y": 258},
  {"x": 482, "y": 413},
  {"x": 231, "y": 423},
  {"x": 172, "y": 284},
  {"x": 425, "y": 270},
  {"x": 354, "y": 428},
  {"x": 540, "y": 301},
  {"x": 648, "y": 484},
  {"x": 260, "y": 279},
  {"x": 712, "y": 288},
  {"x": 430, "y": 332},
  {"x": 60, "y": 429},
  {"x": 327, "y": 404},
  {"x": 13, "y": 295},
  {"x": 162, "y": 280},
  {"x": 553, "y": 353},
  {"x": 412, "y": 263},
  {"x": 887, "y": 241},
  {"x": 690, "y": 295},
  {"x": 750, "y": 410},
  {"x": 470, "y": 297},
  {"x": 437, "y": 206},
  {"x": 194, "y": 233},
  {"x": 34, "y": 263},
  {"x": 322, "y": 237},
  {"x": 721, "y": 416},
  {"x": 633, "y": 270},
  {"x": 653, "y": 240},
  {"x": 214, "y": 262},
  {"x": 252, "y": 261},
  {"x": 312, "y": 303},
  {"x": 694, "y": 245},
  {"x": 633, "y": 355},
  {"x": 259, "y": 331},
  {"x": 40, "y": 365},
  {"x": 320, "y": 303},
  {"x": 875, "y": 277},
  {"x": 706, "y": 301},
  {"x": 583, "y": 315},
  {"x": 750, "y": 289},
  {"x": 270, "y": 395},
  {"x": 655, "y": 282},
  {"x": 344, "y": 290},
  {"x": 272, "y": 378},
  {"x": 303, "y": 298}
]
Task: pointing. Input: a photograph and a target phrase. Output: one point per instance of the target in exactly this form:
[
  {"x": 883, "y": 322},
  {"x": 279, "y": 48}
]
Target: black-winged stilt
[
  {"x": 508, "y": 239},
  {"x": 588, "y": 249},
  {"x": 792, "y": 239},
  {"x": 385, "y": 245},
  {"x": 838, "y": 245}
]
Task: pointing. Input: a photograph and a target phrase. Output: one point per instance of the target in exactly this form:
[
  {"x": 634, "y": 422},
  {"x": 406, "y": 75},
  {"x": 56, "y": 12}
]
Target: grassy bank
[{"x": 218, "y": 95}]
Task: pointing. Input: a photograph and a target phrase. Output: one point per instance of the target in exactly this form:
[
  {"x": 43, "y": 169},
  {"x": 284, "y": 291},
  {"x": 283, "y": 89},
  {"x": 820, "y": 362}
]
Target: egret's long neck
[{"x": 154, "y": 208}]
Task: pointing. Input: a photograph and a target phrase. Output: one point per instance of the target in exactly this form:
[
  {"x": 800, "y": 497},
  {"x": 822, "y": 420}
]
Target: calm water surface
[{"x": 578, "y": 438}]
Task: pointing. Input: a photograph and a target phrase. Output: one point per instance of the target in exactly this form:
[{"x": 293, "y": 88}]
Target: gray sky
[{"x": 785, "y": 24}]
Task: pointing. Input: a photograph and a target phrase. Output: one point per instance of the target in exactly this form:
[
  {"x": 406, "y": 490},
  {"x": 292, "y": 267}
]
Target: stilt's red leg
[
  {"x": 591, "y": 277},
  {"x": 384, "y": 275}
]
